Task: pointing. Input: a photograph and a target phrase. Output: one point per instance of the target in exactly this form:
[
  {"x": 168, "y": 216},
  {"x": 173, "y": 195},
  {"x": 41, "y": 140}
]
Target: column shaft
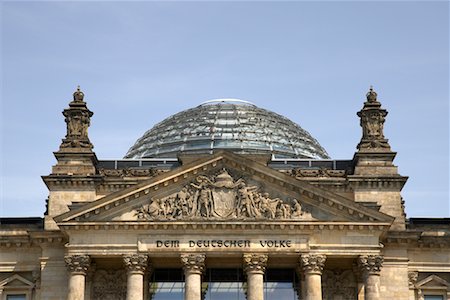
[
  {"x": 372, "y": 287},
  {"x": 313, "y": 284},
  {"x": 312, "y": 266},
  {"x": 255, "y": 286},
  {"x": 360, "y": 291},
  {"x": 254, "y": 268},
  {"x": 135, "y": 286},
  {"x": 136, "y": 265},
  {"x": 193, "y": 265},
  {"x": 76, "y": 287},
  {"x": 77, "y": 265},
  {"x": 370, "y": 267},
  {"x": 193, "y": 285}
]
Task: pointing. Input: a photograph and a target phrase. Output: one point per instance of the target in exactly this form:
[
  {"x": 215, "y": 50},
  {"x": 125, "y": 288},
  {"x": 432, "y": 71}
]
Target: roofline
[{"x": 227, "y": 100}]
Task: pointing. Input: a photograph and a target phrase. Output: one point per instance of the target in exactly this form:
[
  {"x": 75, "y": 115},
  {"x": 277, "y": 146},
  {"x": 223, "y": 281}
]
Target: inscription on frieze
[
  {"x": 221, "y": 197},
  {"x": 218, "y": 243}
]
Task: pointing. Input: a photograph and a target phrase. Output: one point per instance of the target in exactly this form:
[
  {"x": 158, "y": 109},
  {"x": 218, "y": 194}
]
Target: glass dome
[{"x": 229, "y": 124}]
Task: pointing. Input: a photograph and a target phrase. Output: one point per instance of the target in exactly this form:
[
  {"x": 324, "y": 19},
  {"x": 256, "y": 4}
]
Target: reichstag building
[{"x": 225, "y": 201}]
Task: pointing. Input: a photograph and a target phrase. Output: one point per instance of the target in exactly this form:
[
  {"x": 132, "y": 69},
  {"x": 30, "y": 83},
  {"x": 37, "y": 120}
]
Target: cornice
[
  {"x": 416, "y": 239},
  {"x": 386, "y": 182},
  {"x": 71, "y": 181},
  {"x": 33, "y": 238},
  {"x": 226, "y": 225}
]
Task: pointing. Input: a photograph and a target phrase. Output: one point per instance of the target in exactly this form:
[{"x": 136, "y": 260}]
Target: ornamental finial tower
[
  {"x": 78, "y": 118},
  {"x": 372, "y": 121},
  {"x": 75, "y": 172},
  {"x": 375, "y": 178}
]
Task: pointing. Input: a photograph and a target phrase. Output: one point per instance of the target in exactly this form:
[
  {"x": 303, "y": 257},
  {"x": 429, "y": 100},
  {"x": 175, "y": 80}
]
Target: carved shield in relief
[{"x": 224, "y": 202}]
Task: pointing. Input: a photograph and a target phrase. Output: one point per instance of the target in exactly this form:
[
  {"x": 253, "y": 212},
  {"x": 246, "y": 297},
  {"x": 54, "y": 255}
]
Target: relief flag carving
[{"x": 221, "y": 197}]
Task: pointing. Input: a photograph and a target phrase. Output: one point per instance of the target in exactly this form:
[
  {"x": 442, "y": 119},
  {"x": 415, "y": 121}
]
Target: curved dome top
[{"x": 230, "y": 124}]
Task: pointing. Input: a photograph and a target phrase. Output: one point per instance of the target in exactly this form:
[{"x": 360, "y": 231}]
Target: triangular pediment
[
  {"x": 433, "y": 281},
  {"x": 223, "y": 187},
  {"x": 16, "y": 281}
]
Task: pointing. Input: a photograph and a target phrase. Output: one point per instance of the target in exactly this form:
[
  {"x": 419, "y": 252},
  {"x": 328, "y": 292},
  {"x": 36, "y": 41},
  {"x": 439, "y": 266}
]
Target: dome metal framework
[{"x": 230, "y": 124}]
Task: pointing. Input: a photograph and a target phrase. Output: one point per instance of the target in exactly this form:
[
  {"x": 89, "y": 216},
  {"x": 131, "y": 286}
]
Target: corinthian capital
[
  {"x": 77, "y": 264},
  {"x": 193, "y": 262},
  {"x": 312, "y": 264},
  {"x": 255, "y": 263},
  {"x": 370, "y": 264},
  {"x": 412, "y": 278},
  {"x": 136, "y": 263}
]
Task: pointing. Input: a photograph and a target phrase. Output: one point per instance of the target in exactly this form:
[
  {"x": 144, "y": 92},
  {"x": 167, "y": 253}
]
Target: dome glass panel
[{"x": 229, "y": 124}]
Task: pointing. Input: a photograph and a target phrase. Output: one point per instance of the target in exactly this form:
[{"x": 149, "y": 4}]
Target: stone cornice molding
[
  {"x": 193, "y": 262},
  {"x": 370, "y": 264},
  {"x": 416, "y": 238},
  {"x": 70, "y": 181},
  {"x": 255, "y": 263},
  {"x": 312, "y": 263},
  {"x": 136, "y": 263},
  {"x": 272, "y": 225},
  {"x": 77, "y": 264},
  {"x": 394, "y": 182}
]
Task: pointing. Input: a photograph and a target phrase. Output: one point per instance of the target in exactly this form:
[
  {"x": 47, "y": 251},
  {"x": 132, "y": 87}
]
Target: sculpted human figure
[
  {"x": 171, "y": 207},
  {"x": 297, "y": 211},
  {"x": 154, "y": 208},
  {"x": 279, "y": 212},
  {"x": 246, "y": 205},
  {"x": 268, "y": 206},
  {"x": 204, "y": 203},
  {"x": 286, "y": 209},
  {"x": 162, "y": 207},
  {"x": 149, "y": 211},
  {"x": 182, "y": 196},
  {"x": 84, "y": 124},
  {"x": 183, "y": 207},
  {"x": 257, "y": 200}
]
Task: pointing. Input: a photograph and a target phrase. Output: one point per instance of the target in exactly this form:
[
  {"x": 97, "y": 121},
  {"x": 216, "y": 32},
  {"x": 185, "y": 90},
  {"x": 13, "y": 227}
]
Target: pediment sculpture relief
[{"x": 221, "y": 197}]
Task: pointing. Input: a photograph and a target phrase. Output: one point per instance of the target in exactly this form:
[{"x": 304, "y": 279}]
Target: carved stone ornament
[
  {"x": 129, "y": 172},
  {"x": 77, "y": 264},
  {"x": 255, "y": 263},
  {"x": 372, "y": 122},
  {"x": 109, "y": 285},
  {"x": 193, "y": 262},
  {"x": 412, "y": 278},
  {"x": 78, "y": 118},
  {"x": 312, "y": 263},
  {"x": 370, "y": 264},
  {"x": 136, "y": 263},
  {"x": 338, "y": 284},
  {"x": 322, "y": 172},
  {"x": 221, "y": 197}
]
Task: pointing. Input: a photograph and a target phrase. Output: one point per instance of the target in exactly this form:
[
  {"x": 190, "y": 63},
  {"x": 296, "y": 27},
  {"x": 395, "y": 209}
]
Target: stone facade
[{"x": 109, "y": 229}]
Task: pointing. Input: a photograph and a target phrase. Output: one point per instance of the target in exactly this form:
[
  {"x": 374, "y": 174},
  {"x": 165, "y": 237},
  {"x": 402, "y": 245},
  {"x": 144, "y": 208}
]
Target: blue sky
[{"x": 139, "y": 62}]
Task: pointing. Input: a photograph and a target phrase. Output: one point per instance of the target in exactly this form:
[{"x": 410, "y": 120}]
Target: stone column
[
  {"x": 312, "y": 267},
  {"x": 254, "y": 268},
  {"x": 370, "y": 266},
  {"x": 359, "y": 282},
  {"x": 412, "y": 280},
  {"x": 77, "y": 265},
  {"x": 136, "y": 264},
  {"x": 193, "y": 265}
]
